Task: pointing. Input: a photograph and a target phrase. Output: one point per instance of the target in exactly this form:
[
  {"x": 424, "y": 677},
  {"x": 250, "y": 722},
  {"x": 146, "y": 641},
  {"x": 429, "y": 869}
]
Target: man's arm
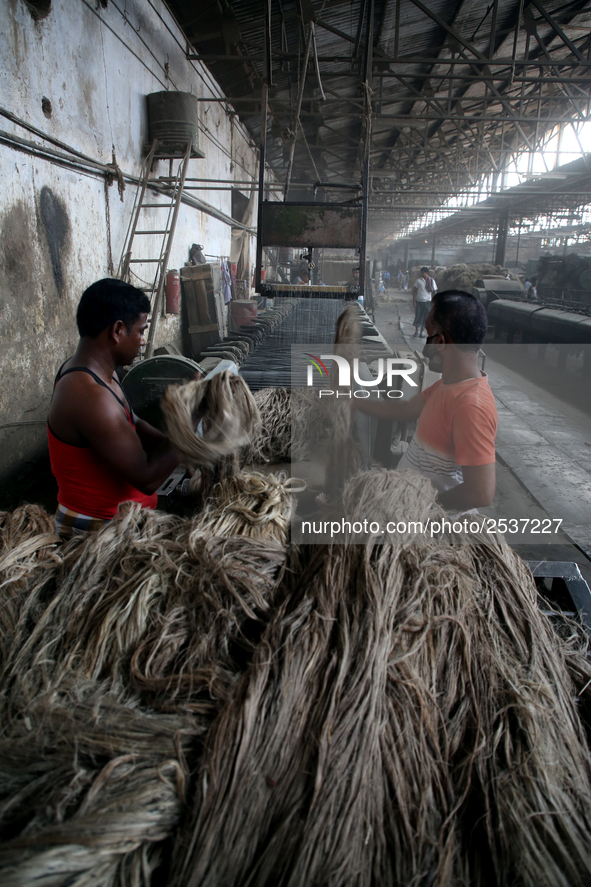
[
  {"x": 401, "y": 410},
  {"x": 477, "y": 490},
  {"x": 100, "y": 419},
  {"x": 150, "y": 437}
]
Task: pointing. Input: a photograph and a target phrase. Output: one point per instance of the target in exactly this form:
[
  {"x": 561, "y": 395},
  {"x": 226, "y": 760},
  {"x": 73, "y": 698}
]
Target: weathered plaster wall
[{"x": 62, "y": 228}]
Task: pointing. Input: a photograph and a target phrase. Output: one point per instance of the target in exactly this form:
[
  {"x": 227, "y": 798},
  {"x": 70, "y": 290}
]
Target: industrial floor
[{"x": 543, "y": 445}]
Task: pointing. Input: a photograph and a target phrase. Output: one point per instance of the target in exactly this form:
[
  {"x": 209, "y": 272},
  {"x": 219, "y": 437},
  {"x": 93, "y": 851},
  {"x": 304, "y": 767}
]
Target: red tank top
[{"x": 86, "y": 483}]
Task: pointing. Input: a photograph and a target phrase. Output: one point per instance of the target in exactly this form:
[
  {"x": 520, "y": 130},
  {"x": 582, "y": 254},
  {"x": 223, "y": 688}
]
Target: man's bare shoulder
[
  {"x": 81, "y": 406},
  {"x": 79, "y": 386}
]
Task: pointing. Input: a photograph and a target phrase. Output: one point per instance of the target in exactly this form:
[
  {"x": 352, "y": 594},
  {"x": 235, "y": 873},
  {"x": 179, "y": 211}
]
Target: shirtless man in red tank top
[{"x": 101, "y": 452}]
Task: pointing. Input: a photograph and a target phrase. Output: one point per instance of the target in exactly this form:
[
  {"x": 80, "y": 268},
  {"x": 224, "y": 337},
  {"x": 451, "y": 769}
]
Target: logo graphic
[
  {"x": 393, "y": 366},
  {"x": 315, "y": 362}
]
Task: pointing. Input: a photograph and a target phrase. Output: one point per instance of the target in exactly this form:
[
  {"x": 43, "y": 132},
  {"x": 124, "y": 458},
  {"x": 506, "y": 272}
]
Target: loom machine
[
  {"x": 305, "y": 228},
  {"x": 309, "y": 227}
]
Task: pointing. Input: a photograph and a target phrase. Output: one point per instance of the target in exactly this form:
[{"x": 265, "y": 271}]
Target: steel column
[
  {"x": 502, "y": 232},
  {"x": 262, "y": 154}
]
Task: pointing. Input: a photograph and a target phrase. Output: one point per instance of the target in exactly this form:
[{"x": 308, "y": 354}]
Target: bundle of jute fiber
[
  {"x": 409, "y": 717},
  {"x": 80, "y": 802},
  {"x": 377, "y": 502},
  {"x": 114, "y": 668},
  {"x": 464, "y": 277},
  {"x": 230, "y": 417},
  {"x": 90, "y": 789},
  {"x": 272, "y": 440},
  {"x": 21, "y": 524},
  {"x": 344, "y": 457},
  {"x": 348, "y": 329},
  {"x": 310, "y": 422},
  {"x": 27, "y": 541},
  {"x": 248, "y": 504},
  {"x": 151, "y": 604},
  {"x": 29, "y": 556},
  {"x": 291, "y": 423},
  {"x": 27, "y": 538}
]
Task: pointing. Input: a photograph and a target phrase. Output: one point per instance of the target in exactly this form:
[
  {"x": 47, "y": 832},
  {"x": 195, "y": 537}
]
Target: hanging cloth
[{"x": 226, "y": 282}]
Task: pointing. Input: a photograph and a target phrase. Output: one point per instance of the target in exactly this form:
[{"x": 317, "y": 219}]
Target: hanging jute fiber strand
[
  {"x": 348, "y": 329},
  {"x": 230, "y": 417},
  {"x": 344, "y": 456}
]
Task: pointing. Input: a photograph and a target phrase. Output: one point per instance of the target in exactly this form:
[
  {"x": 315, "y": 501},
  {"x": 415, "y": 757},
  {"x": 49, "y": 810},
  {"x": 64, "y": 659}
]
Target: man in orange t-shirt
[{"x": 454, "y": 443}]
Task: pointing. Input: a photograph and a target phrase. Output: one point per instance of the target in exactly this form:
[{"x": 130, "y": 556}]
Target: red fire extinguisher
[{"x": 173, "y": 288}]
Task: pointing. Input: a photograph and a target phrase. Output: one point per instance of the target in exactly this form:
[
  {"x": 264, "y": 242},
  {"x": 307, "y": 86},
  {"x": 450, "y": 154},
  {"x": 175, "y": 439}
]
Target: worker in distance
[
  {"x": 454, "y": 441},
  {"x": 422, "y": 293},
  {"x": 101, "y": 453}
]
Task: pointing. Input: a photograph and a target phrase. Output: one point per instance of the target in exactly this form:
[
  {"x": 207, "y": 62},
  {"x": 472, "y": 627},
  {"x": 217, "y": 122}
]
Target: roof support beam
[
  {"x": 417, "y": 123},
  {"x": 378, "y": 37},
  {"x": 337, "y": 33},
  {"x": 473, "y": 78},
  {"x": 457, "y": 37},
  {"x": 493, "y": 29},
  {"x": 558, "y": 30},
  {"x": 461, "y": 13},
  {"x": 298, "y": 109},
  {"x": 462, "y": 106},
  {"x": 362, "y": 12},
  {"x": 505, "y": 63}
]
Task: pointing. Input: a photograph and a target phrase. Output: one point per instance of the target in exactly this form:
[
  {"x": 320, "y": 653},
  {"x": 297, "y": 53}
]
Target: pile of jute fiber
[
  {"x": 117, "y": 652},
  {"x": 464, "y": 277},
  {"x": 292, "y": 421},
  {"x": 408, "y": 718},
  {"x": 184, "y": 708}
]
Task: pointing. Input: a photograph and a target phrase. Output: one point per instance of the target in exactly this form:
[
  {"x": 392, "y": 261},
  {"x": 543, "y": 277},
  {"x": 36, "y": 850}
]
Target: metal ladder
[{"x": 173, "y": 192}]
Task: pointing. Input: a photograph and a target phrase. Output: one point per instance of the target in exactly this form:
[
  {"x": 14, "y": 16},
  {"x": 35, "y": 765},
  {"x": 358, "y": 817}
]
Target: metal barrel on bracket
[{"x": 174, "y": 120}]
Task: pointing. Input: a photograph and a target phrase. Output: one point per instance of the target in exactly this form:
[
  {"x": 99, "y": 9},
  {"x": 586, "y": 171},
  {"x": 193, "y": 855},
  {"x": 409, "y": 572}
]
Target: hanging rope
[
  {"x": 316, "y": 65},
  {"x": 298, "y": 109}
]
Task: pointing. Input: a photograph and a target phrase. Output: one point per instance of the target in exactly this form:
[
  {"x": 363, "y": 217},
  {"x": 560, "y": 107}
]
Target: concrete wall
[{"x": 62, "y": 225}]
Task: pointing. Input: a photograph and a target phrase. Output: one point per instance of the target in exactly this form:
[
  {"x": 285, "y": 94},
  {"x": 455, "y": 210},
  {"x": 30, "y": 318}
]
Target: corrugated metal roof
[{"x": 456, "y": 87}]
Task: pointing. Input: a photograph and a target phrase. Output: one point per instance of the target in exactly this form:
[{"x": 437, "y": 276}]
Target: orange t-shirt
[{"x": 457, "y": 426}]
